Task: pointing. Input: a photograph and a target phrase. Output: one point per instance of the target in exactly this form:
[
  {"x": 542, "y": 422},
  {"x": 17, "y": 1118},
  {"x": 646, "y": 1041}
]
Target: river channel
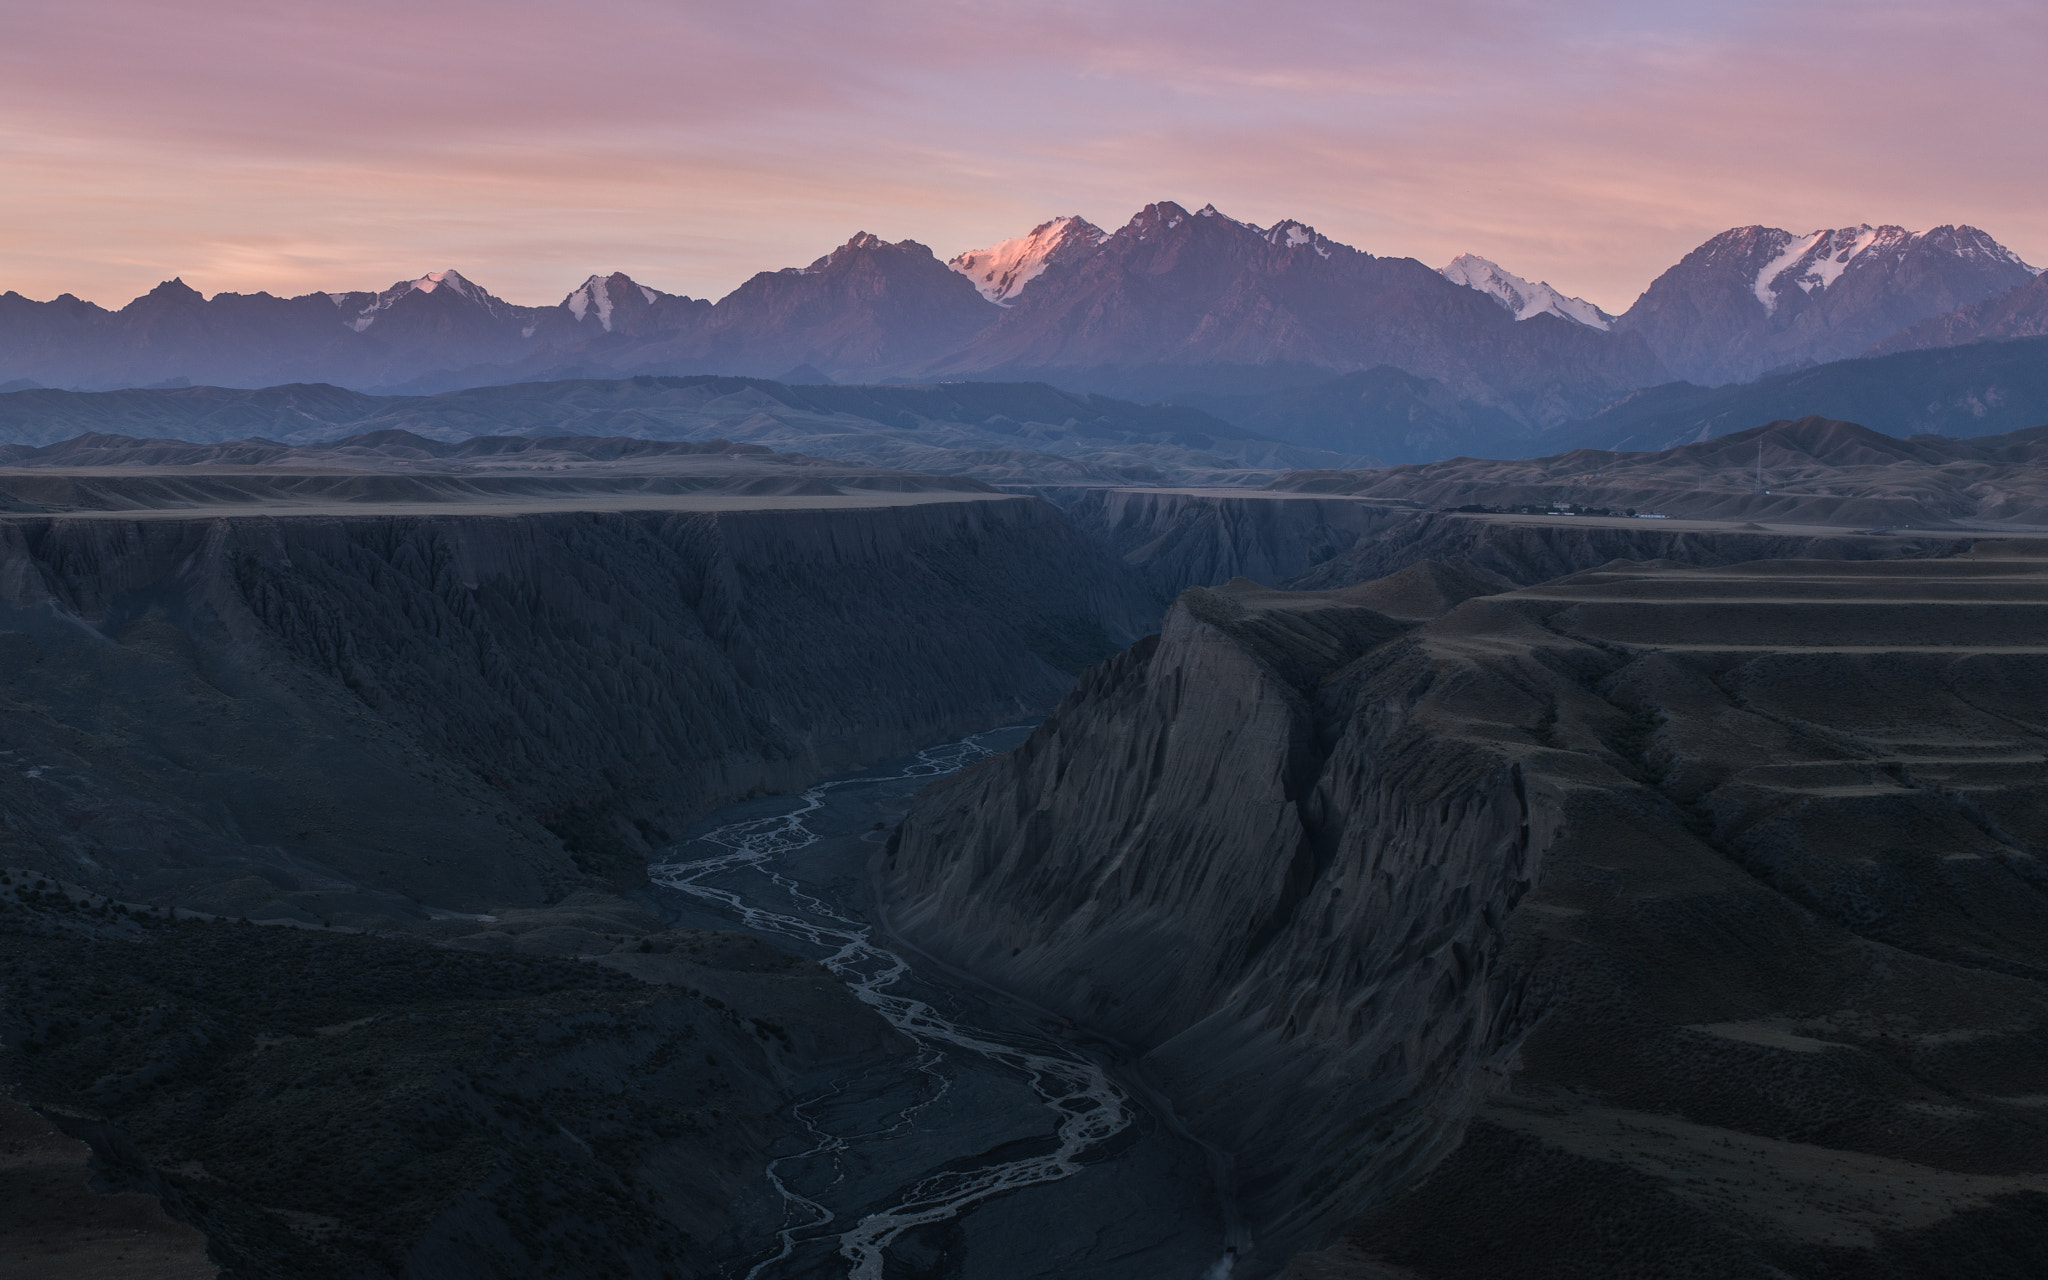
[{"x": 1011, "y": 1146}]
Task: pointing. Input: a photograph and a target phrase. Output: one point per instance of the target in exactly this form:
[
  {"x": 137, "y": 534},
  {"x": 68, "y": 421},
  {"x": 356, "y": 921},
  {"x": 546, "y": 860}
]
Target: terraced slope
[{"x": 1657, "y": 921}]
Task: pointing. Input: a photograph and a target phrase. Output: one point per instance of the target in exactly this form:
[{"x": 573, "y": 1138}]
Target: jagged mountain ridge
[
  {"x": 440, "y": 321},
  {"x": 868, "y": 305},
  {"x": 1002, "y": 270},
  {"x": 1520, "y": 296},
  {"x": 1171, "y": 302},
  {"x": 1757, "y": 299},
  {"x": 1178, "y": 290},
  {"x": 1170, "y": 289},
  {"x": 603, "y": 301}
]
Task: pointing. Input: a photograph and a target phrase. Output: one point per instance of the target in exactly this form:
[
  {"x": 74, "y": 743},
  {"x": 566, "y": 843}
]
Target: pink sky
[{"x": 290, "y": 146}]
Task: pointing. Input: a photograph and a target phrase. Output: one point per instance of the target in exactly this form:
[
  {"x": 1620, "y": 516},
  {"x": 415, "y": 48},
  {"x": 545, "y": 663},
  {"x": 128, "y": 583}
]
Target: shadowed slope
[
  {"x": 354, "y": 715},
  {"x": 1714, "y": 892},
  {"x": 1965, "y": 391}
]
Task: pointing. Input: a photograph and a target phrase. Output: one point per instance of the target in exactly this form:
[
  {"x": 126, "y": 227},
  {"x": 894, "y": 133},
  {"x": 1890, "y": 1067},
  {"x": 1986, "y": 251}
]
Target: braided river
[{"x": 1009, "y": 1146}]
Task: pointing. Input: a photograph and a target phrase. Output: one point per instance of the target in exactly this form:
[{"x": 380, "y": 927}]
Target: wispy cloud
[{"x": 290, "y": 145}]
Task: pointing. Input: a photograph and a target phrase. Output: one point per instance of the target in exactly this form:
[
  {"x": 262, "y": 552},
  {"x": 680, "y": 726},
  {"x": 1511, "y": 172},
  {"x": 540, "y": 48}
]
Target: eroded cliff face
[
  {"x": 1201, "y": 538},
  {"x": 1270, "y": 877},
  {"x": 1654, "y": 922},
  {"x": 1306, "y": 541},
  {"x": 307, "y": 716},
  {"x": 1528, "y": 551}
]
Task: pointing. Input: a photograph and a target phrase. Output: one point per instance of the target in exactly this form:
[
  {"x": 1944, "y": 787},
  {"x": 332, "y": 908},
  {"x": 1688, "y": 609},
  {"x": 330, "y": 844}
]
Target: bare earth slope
[{"x": 1658, "y": 921}]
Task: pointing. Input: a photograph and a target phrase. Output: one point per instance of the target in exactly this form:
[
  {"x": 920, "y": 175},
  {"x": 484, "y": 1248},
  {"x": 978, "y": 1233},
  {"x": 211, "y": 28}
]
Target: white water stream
[{"x": 1088, "y": 1107}]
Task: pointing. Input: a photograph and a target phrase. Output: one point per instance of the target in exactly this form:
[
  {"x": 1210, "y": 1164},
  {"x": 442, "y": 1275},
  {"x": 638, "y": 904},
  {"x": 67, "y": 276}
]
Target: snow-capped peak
[
  {"x": 1522, "y": 299},
  {"x": 451, "y": 279},
  {"x": 1211, "y": 211},
  {"x": 1289, "y": 234},
  {"x": 860, "y": 242},
  {"x": 593, "y": 295},
  {"x": 1814, "y": 262},
  {"x": 1817, "y": 260},
  {"x": 1002, "y": 270},
  {"x": 454, "y": 280},
  {"x": 601, "y": 298}
]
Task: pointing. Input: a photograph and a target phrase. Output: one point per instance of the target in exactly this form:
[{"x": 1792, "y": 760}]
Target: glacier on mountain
[
  {"x": 1519, "y": 296},
  {"x": 1002, "y": 270},
  {"x": 1815, "y": 261},
  {"x": 595, "y": 296},
  {"x": 427, "y": 283},
  {"x": 591, "y": 295}
]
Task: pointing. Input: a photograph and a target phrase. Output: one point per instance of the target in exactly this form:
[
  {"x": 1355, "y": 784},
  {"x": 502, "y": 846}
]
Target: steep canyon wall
[
  {"x": 1651, "y": 910},
  {"x": 322, "y": 715},
  {"x": 1181, "y": 538}
]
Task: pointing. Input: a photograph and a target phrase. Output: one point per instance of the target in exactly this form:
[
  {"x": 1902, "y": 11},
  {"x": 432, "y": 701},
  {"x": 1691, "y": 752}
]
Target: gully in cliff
[{"x": 1641, "y": 906}]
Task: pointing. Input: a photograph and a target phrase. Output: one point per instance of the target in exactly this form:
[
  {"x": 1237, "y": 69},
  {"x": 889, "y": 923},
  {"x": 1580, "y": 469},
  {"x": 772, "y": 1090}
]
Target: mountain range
[{"x": 1194, "y": 307}]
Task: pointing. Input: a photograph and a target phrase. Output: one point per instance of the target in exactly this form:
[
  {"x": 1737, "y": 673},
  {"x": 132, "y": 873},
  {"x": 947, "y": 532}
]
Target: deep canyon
[{"x": 440, "y": 866}]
